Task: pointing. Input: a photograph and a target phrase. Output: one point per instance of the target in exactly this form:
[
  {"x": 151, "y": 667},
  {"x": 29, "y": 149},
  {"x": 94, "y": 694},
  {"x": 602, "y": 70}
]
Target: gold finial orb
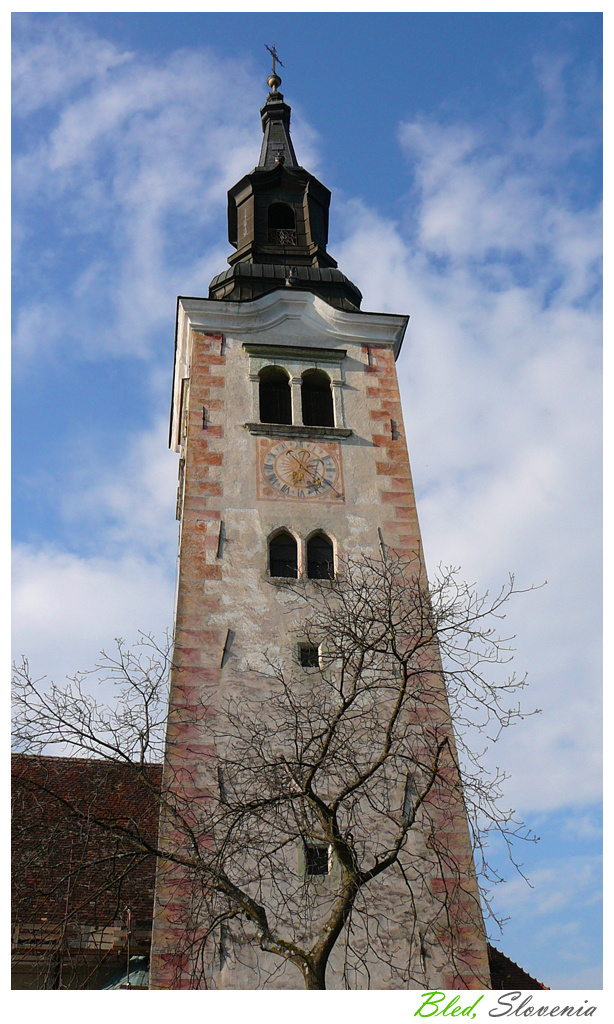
[{"x": 273, "y": 81}]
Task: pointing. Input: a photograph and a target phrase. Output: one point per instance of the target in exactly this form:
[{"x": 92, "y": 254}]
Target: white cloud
[
  {"x": 115, "y": 573},
  {"x": 137, "y": 165},
  {"x": 582, "y": 826},
  {"x": 128, "y": 504},
  {"x": 38, "y": 328},
  {"x": 68, "y": 605},
  {"x": 500, "y": 375},
  {"x": 66, "y": 609},
  {"x": 558, "y": 912},
  {"x": 116, "y": 576},
  {"x": 553, "y": 886},
  {"x": 48, "y": 66}
]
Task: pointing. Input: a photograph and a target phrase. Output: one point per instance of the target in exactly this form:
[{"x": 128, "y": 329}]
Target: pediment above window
[{"x": 287, "y": 354}]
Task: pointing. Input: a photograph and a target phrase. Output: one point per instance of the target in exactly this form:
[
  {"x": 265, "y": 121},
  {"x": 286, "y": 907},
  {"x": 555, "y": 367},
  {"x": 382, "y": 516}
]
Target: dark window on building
[
  {"x": 316, "y": 860},
  {"x": 281, "y": 216},
  {"x": 281, "y": 224},
  {"x": 275, "y": 400},
  {"x": 282, "y": 556},
  {"x": 317, "y": 399},
  {"x": 309, "y": 656},
  {"x": 320, "y": 564}
]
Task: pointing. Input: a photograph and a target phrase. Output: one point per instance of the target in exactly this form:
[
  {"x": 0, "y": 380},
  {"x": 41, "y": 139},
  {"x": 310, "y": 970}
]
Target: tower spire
[
  {"x": 277, "y": 145},
  {"x": 278, "y": 221}
]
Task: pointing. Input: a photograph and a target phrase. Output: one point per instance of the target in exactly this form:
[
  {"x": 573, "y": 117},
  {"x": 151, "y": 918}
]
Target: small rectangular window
[
  {"x": 309, "y": 656},
  {"x": 221, "y": 785},
  {"x": 316, "y": 860}
]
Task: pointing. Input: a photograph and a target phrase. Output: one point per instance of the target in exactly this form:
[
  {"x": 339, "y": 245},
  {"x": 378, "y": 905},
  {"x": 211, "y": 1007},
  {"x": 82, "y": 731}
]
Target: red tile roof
[
  {"x": 505, "y": 974},
  {"x": 66, "y": 863}
]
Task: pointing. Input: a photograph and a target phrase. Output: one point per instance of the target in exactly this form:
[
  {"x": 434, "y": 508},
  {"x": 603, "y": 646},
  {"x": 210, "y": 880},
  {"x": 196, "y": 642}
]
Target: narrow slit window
[
  {"x": 317, "y": 399},
  {"x": 283, "y": 559},
  {"x": 409, "y": 798},
  {"x": 320, "y": 563},
  {"x": 275, "y": 397},
  {"x": 223, "y": 949}
]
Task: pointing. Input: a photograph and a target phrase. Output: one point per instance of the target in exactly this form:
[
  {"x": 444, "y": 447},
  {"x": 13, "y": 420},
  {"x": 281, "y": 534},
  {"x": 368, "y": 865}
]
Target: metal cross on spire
[{"x": 273, "y": 53}]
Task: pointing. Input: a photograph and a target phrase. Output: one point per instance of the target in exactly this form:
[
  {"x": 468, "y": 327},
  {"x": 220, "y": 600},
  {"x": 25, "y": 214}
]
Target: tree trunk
[{"x": 315, "y": 977}]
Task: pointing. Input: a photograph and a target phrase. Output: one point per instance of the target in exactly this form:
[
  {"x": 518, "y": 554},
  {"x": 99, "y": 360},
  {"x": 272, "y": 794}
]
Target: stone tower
[{"x": 287, "y": 418}]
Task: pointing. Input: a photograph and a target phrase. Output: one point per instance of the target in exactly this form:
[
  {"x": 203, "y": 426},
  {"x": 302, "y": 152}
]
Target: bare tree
[{"x": 331, "y": 799}]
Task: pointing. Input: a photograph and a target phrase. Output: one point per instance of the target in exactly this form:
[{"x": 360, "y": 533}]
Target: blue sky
[{"x": 463, "y": 154}]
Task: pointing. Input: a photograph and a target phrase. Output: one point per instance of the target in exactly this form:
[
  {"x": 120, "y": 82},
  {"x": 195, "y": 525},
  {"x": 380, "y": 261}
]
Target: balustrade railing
[{"x": 282, "y": 236}]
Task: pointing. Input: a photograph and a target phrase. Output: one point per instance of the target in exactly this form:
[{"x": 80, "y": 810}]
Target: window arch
[
  {"x": 320, "y": 557},
  {"x": 283, "y": 555},
  {"x": 275, "y": 397},
  {"x": 317, "y": 399}
]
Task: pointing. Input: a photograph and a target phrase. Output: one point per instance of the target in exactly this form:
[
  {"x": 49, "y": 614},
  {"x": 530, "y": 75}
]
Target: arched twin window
[
  {"x": 317, "y": 399},
  {"x": 276, "y": 401},
  {"x": 283, "y": 556},
  {"x": 320, "y": 565}
]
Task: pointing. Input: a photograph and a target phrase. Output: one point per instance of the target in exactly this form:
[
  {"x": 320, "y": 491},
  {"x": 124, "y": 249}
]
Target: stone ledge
[{"x": 289, "y": 430}]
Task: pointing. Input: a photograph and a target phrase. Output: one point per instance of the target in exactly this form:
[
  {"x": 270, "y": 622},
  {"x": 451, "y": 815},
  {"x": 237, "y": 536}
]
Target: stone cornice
[{"x": 293, "y": 308}]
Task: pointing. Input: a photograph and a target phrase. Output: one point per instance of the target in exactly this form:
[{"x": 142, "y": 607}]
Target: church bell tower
[{"x": 286, "y": 415}]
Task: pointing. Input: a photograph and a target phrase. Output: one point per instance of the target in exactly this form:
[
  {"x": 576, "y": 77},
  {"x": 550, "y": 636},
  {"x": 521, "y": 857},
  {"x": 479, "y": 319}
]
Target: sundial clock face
[{"x": 301, "y": 470}]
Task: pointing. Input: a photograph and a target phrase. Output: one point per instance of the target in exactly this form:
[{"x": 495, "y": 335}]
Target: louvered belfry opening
[
  {"x": 320, "y": 564},
  {"x": 317, "y": 399},
  {"x": 275, "y": 397},
  {"x": 283, "y": 560},
  {"x": 281, "y": 224}
]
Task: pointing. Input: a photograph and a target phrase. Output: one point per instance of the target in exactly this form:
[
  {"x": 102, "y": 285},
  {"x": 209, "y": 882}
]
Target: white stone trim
[{"x": 260, "y": 316}]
